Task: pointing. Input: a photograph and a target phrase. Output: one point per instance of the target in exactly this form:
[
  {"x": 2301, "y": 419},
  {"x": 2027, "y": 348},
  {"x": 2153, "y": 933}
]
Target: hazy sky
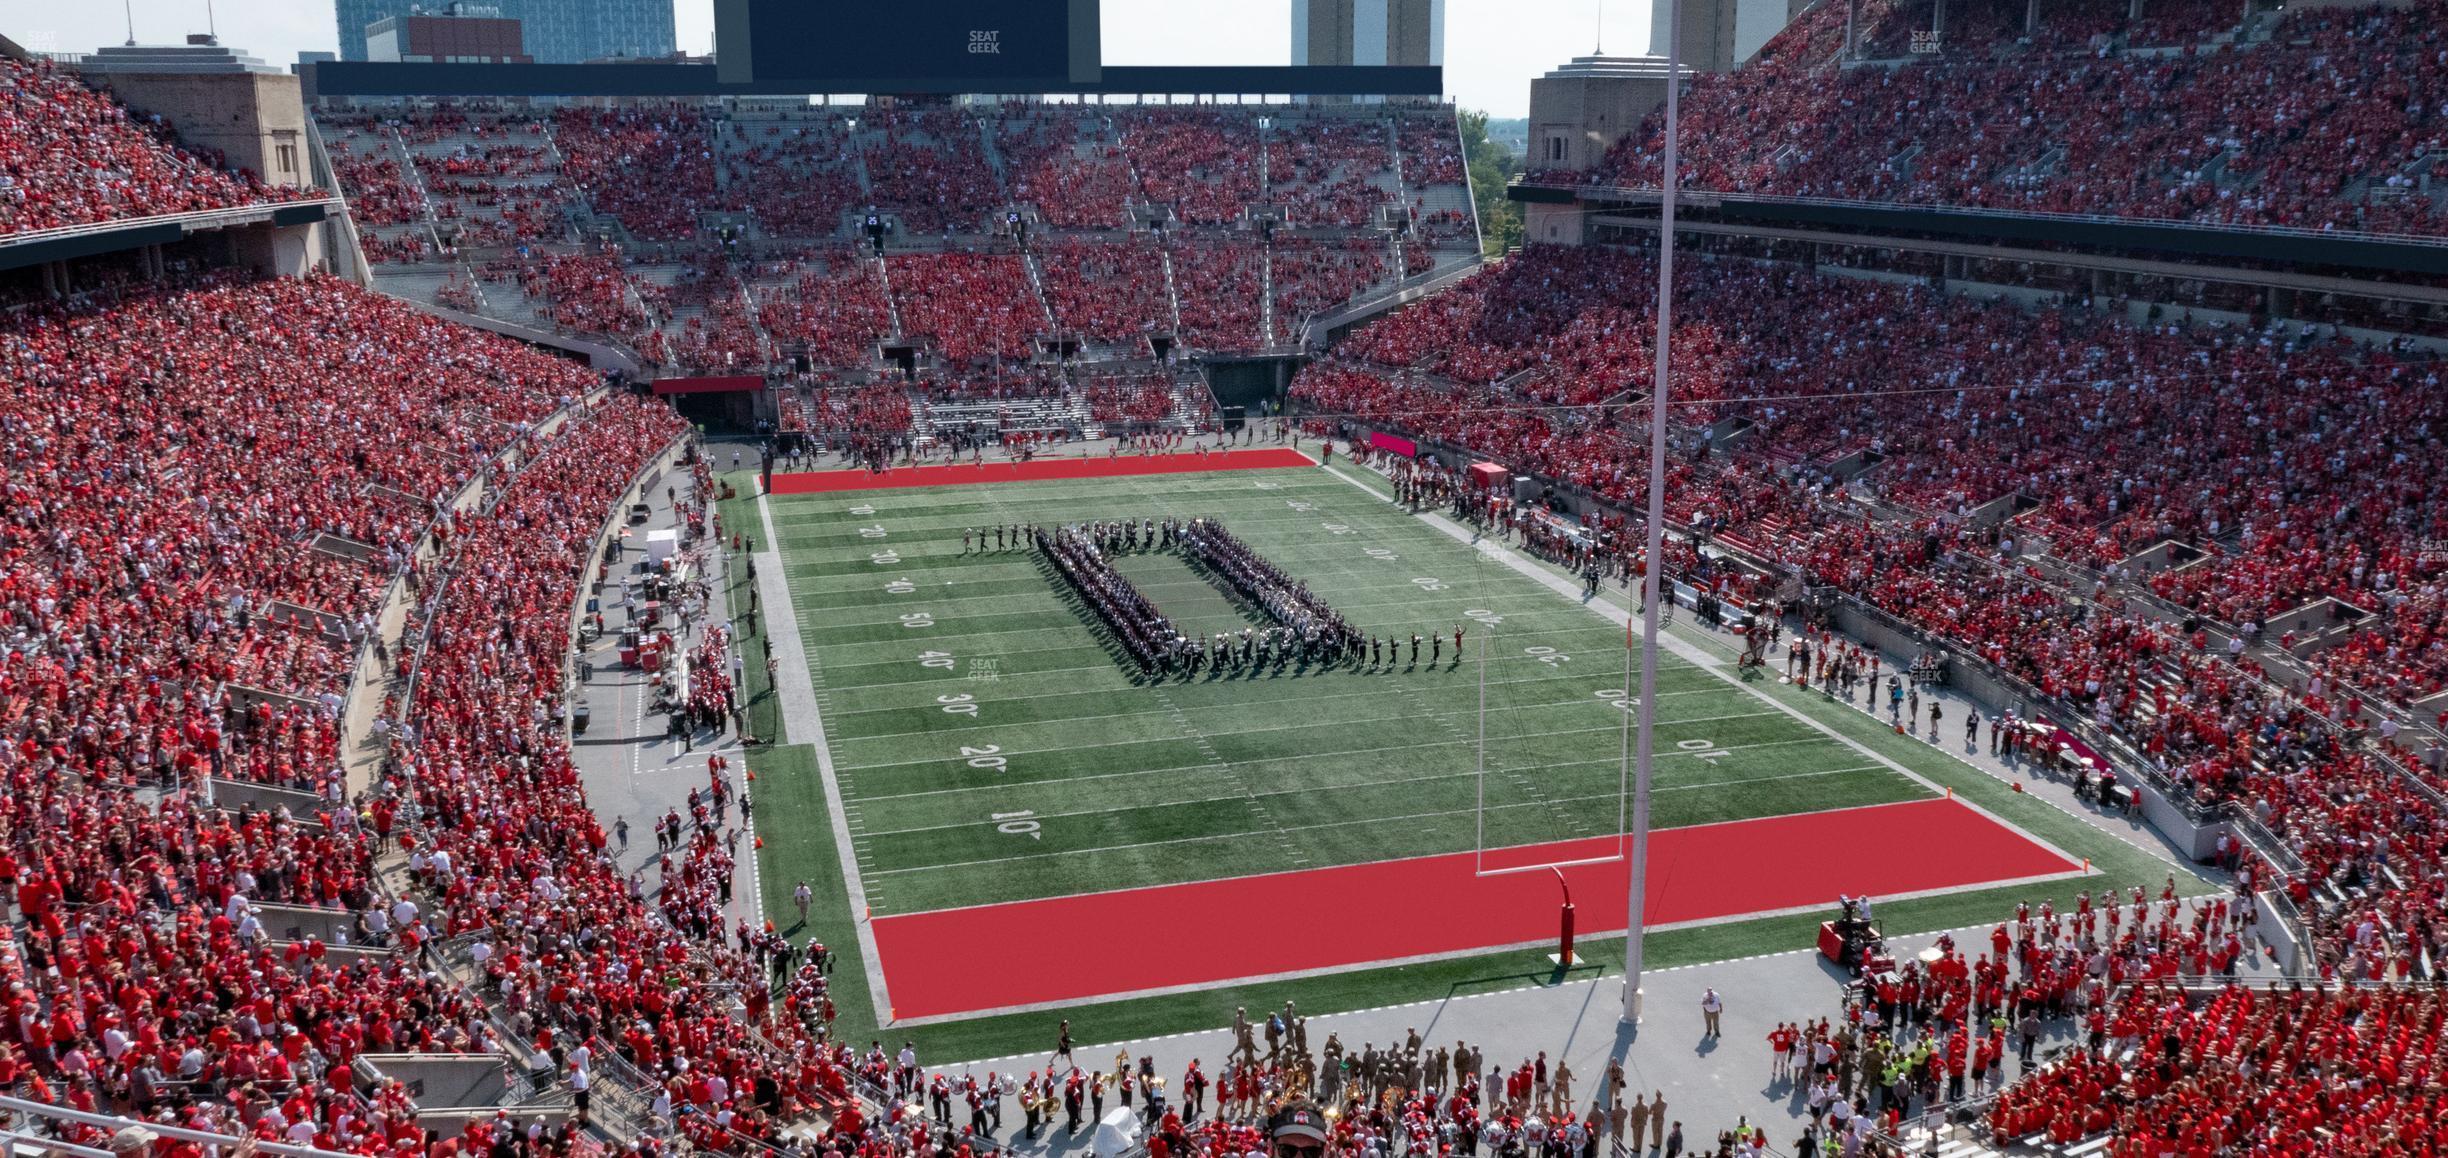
[{"x": 1492, "y": 47}]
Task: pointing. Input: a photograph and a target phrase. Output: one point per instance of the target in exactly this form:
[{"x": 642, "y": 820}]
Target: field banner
[{"x": 1402, "y": 446}]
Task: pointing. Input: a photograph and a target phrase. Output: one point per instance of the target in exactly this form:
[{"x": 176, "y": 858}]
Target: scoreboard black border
[{"x": 871, "y": 45}]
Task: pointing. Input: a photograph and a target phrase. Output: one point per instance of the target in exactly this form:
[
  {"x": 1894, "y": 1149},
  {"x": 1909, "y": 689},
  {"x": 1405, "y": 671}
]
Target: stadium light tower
[{"x": 1644, "y": 760}]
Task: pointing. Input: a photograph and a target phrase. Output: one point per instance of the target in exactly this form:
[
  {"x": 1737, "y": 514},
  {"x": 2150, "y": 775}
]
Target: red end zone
[
  {"x": 1078, "y": 948},
  {"x": 1039, "y": 470}
]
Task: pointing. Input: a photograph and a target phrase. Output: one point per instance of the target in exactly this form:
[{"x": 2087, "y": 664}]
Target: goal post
[{"x": 1574, "y": 847}]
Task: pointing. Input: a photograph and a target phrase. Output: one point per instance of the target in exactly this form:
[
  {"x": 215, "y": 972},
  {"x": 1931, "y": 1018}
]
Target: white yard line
[
  {"x": 1542, "y": 802},
  {"x": 1160, "y": 689},
  {"x": 1622, "y": 617},
  {"x": 965, "y": 825},
  {"x": 795, "y": 687},
  {"x": 1609, "y": 729}
]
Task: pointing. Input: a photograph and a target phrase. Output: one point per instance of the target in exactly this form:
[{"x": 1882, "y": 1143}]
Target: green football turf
[
  {"x": 991, "y": 747},
  {"x": 1132, "y": 783}
]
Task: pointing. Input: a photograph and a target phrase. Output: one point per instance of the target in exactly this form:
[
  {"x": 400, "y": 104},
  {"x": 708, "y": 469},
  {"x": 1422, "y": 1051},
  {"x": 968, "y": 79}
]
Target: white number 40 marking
[
  {"x": 900, "y": 587},
  {"x": 1427, "y": 584},
  {"x": 1704, "y": 749},
  {"x": 1384, "y": 553},
  {"x": 1547, "y": 655}
]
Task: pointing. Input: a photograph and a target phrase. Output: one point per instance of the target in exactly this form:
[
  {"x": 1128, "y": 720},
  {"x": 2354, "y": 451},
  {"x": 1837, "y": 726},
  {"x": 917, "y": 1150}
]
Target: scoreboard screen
[{"x": 908, "y": 45}]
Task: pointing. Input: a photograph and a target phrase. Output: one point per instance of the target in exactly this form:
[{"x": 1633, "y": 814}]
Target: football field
[{"x": 1013, "y": 790}]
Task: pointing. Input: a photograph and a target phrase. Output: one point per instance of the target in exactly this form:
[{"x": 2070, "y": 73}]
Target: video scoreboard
[{"x": 908, "y": 46}]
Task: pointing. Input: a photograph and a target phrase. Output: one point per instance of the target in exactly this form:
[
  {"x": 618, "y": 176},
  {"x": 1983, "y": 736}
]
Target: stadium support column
[{"x": 1635, "y": 921}]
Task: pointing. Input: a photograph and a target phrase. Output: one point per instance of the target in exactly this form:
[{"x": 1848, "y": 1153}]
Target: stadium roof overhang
[
  {"x": 19, "y": 250},
  {"x": 381, "y": 79},
  {"x": 2299, "y": 247}
]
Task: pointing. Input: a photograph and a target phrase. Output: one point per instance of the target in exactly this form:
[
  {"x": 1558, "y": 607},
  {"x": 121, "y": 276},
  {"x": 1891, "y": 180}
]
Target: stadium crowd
[
  {"x": 2320, "y": 126},
  {"x": 72, "y": 156},
  {"x": 1962, "y": 402},
  {"x": 195, "y": 568},
  {"x": 166, "y": 506}
]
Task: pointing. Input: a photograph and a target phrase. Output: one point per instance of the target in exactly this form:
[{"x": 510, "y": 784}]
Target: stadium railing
[
  {"x": 2420, "y": 786},
  {"x": 190, "y": 220},
  {"x": 1705, "y": 198},
  {"x": 41, "y": 1112},
  {"x": 1403, "y": 292},
  {"x": 2257, "y": 836}
]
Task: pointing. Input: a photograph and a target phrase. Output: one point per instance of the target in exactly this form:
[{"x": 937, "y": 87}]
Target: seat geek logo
[{"x": 985, "y": 42}]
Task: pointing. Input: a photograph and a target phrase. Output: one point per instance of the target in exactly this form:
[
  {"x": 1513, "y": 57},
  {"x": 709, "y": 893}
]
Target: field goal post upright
[
  {"x": 1635, "y": 898},
  {"x": 1489, "y": 554}
]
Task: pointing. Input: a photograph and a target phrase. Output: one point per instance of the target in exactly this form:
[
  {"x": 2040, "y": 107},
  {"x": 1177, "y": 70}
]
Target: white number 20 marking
[{"x": 984, "y": 756}]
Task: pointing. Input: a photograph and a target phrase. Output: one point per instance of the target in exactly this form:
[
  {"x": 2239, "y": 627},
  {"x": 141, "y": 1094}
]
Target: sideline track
[{"x": 1382, "y": 913}]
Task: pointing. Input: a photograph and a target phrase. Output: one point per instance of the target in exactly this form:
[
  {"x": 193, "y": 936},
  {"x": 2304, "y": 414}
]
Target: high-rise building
[
  {"x": 1720, "y": 34},
  {"x": 459, "y": 38},
  {"x": 1381, "y": 32},
  {"x": 556, "y": 31}
]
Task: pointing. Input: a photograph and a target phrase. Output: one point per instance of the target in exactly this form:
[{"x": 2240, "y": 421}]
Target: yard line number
[
  {"x": 1018, "y": 824},
  {"x": 1704, "y": 749},
  {"x": 985, "y": 756}
]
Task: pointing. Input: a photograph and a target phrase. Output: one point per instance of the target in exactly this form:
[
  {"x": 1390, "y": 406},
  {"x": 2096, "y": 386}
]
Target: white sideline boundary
[
  {"x": 1692, "y": 654},
  {"x": 795, "y": 688}
]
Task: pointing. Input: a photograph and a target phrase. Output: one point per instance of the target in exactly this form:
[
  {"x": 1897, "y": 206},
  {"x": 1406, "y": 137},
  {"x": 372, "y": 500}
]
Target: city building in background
[
  {"x": 466, "y": 35},
  {"x": 221, "y": 98},
  {"x": 553, "y": 31},
  {"x": 1720, "y": 34},
  {"x": 1376, "y": 32}
]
